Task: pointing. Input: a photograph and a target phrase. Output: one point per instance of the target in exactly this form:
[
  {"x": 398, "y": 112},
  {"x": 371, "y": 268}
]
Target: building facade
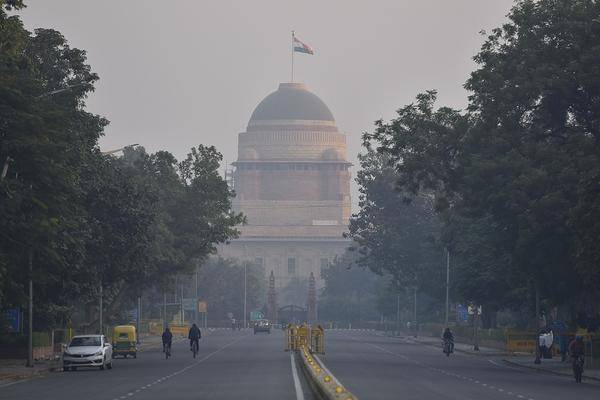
[{"x": 292, "y": 181}]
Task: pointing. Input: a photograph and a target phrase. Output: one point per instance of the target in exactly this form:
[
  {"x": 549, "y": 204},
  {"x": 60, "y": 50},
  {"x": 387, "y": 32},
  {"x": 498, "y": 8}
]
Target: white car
[{"x": 87, "y": 351}]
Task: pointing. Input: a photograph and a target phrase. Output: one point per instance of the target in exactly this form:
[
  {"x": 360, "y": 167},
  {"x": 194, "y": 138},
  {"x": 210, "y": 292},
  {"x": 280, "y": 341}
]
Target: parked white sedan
[{"x": 87, "y": 351}]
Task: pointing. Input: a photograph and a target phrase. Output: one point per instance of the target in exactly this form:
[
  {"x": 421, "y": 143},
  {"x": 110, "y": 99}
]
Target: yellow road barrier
[{"x": 321, "y": 380}]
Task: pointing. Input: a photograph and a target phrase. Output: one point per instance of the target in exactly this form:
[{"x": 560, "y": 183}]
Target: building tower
[{"x": 292, "y": 181}]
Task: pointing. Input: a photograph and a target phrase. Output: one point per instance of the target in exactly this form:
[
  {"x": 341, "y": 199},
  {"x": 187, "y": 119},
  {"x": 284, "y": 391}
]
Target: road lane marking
[
  {"x": 297, "y": 385},
  {"x": 194, "y": 364},
  {"x": 438, "y": 370}
]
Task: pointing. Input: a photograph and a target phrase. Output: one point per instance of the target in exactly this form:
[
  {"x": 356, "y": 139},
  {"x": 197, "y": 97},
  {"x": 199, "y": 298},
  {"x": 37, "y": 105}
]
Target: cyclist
[
  {"x": 577, "y": 352},
  {"x": 167, "y": 339},
  {"x": 194, "y": 335}
]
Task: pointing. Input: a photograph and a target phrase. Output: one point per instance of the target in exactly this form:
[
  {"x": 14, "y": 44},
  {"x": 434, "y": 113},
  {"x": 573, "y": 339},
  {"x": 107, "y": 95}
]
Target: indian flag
[{"x": 301, "y": 47}]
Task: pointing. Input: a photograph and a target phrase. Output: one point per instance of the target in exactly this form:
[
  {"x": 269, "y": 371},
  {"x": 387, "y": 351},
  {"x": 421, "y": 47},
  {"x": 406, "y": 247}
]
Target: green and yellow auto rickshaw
[{"x": 124, "y": 341}]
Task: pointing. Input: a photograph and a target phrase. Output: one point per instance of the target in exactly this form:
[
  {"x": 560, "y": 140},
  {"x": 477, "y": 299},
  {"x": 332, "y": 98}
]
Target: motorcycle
[
  {"x": 578, "y": 368},
  {"x": 448, "y": 347}
]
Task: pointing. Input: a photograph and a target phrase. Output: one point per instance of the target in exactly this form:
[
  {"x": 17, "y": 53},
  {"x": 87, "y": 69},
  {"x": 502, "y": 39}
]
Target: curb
[
  {"x": 470, "y": 352},
  {"x": 323, "y": 383},
  {"x": 544, "y": 370}
]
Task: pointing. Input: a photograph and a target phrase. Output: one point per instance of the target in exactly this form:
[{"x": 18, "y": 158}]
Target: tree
[
  {"x": 351, "y": 293},
  {"x": 395, "y": 232}
]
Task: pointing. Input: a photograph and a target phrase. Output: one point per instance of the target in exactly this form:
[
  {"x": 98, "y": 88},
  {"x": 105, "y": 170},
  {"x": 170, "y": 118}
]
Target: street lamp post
[
  {"x": 30, "y": 328},
  {"x": 245, "y": 291},
  {"x": 120, "y": 149},
  {"x": 447, "y": 287},
  {"x": 56, "y": 91},
  {"x": 100, "y": 307},
  {"x": 398, "y": 314}
]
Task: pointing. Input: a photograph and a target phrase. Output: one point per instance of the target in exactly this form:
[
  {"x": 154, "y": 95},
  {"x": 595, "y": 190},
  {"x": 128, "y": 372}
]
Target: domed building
[{"x": 292, "y": 181}]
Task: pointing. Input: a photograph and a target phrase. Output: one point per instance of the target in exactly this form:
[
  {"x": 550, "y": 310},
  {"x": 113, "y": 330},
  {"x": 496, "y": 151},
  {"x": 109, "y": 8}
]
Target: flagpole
[{"x": 292, "y": 57}]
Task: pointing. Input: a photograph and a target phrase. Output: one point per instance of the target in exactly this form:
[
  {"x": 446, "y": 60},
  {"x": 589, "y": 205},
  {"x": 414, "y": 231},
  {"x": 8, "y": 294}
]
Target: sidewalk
[
  {"x": 12, "y": 371},
  {"x": 459, "y": 347},
  {"x": 554, "y": 366}
]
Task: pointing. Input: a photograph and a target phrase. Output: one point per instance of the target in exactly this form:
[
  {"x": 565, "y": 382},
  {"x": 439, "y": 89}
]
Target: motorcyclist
[
  {"x": 449, "y": 336},
  {"x": 167, "y": 338},
  {"x": 194, "y": 335}
]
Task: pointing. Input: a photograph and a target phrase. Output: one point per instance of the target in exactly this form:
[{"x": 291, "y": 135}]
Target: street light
[
  {"x": 56, "y": 91},
  {"x": 120, "y": 149}
]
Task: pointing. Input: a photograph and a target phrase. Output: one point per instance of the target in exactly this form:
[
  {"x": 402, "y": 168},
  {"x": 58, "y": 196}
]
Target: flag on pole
[{"x": 301, "y": 47}]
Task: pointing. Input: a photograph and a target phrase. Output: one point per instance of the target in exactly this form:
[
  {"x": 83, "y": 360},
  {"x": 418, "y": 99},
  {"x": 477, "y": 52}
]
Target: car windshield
[{"x": 85, "y": 341}]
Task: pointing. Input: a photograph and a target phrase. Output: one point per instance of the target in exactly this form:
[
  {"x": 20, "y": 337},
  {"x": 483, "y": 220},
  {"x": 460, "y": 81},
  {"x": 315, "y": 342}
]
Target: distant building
[{"x": 292, "y": 181}]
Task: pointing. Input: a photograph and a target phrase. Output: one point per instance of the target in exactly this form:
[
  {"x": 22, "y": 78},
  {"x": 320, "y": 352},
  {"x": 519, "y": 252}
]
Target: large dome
[{"x": 292, "y": 101}]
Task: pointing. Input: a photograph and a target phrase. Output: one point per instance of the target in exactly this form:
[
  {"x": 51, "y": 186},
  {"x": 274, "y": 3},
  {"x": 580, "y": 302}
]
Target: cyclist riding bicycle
[{"x": 194, "y": 335}]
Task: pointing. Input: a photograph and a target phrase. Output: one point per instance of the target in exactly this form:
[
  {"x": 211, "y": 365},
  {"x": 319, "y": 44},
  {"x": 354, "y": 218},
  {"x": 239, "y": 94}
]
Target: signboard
[
  {"x": 471, "y": 310},
  {"x": 256, "y": 315},
  {"x": 13, "y": 318},
  {"x": 462, "y": 313},
  {"x": 202, "y": 306},
  {"x": 189, "y": 304},
  {"x": 132, "y": 314}
]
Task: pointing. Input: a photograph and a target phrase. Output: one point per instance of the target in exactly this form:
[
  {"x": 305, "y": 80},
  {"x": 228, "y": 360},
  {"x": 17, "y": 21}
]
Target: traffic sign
[
  {"x": 13, "y": 317},
  {"x": 189, "y": 304},
  {"x": 462, "y": 314},
  {"x": 202, "y": 306},
  {"x": 256, "y": 315},
  {"x": 471, "y": 310}
]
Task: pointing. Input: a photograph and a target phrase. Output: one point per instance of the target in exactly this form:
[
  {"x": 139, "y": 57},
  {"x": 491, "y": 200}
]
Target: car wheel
[
  {"x": 109, "y": 365},
  {"x": 102, "y": 366},
  {"x": 135, "y": 355}
]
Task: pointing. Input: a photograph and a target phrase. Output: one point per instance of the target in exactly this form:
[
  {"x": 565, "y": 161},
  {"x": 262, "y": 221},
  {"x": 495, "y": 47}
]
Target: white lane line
[
  {"x": 194, "y": 364},
  {"x": 297, "y": 385}
]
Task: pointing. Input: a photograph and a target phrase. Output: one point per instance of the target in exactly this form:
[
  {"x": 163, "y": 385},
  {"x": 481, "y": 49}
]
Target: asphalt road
[
  {"x": 230, "y": 365},
  {"x": 240, "y": 365},
  {"x": 377, "y": 367}
]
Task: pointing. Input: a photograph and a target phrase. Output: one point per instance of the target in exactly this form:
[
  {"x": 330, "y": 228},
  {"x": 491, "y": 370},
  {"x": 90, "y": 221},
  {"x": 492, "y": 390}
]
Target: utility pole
[
  {"x": 447, "y": 287},
  {"x": 398, "y": 315},
  {"x": 138, "y": 322},
  {"x": 182, "y": 316},
  {"x": 245, "y": 291},
  {"x": 30, "y": 328},
  {"x": 475, "y": 327},
  {"x": 415, "y": 314},
  {"x": 165, "y": 311},
  {"x": 196, "y": 296},
  {"x": 100, "y": 308}
]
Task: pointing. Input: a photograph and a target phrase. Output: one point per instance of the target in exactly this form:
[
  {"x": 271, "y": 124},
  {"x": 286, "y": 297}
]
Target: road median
[{"x": 323, "y": 383}]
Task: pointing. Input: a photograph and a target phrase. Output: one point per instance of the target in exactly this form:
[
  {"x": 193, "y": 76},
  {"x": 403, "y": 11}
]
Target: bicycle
[
  {"x": 195, "y": 348},
  {"x": 167, "y": 350},
  {"x": 578, "y": 368}
]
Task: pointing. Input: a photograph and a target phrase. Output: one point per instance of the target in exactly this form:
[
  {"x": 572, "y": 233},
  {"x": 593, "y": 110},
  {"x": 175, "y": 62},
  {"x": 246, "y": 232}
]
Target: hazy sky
[{"x": 177, "y": 73}]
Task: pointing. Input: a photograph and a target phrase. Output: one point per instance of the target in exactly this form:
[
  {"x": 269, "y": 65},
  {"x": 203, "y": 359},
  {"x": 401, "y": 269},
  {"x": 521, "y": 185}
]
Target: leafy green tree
[
  {"x": 351, "y": 293},
  {"x": 221, "y": 285},
  {"x": 395, "y": 232}
]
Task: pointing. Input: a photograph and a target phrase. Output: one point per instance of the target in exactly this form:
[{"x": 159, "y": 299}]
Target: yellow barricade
[
  {"x": 303, "y": 337},
  {"x": 520, "y": 342},
  {"x": 317, "y": 340},
  {"x": 181, "y": 330},
  {"x": 291, "y": 333}
]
